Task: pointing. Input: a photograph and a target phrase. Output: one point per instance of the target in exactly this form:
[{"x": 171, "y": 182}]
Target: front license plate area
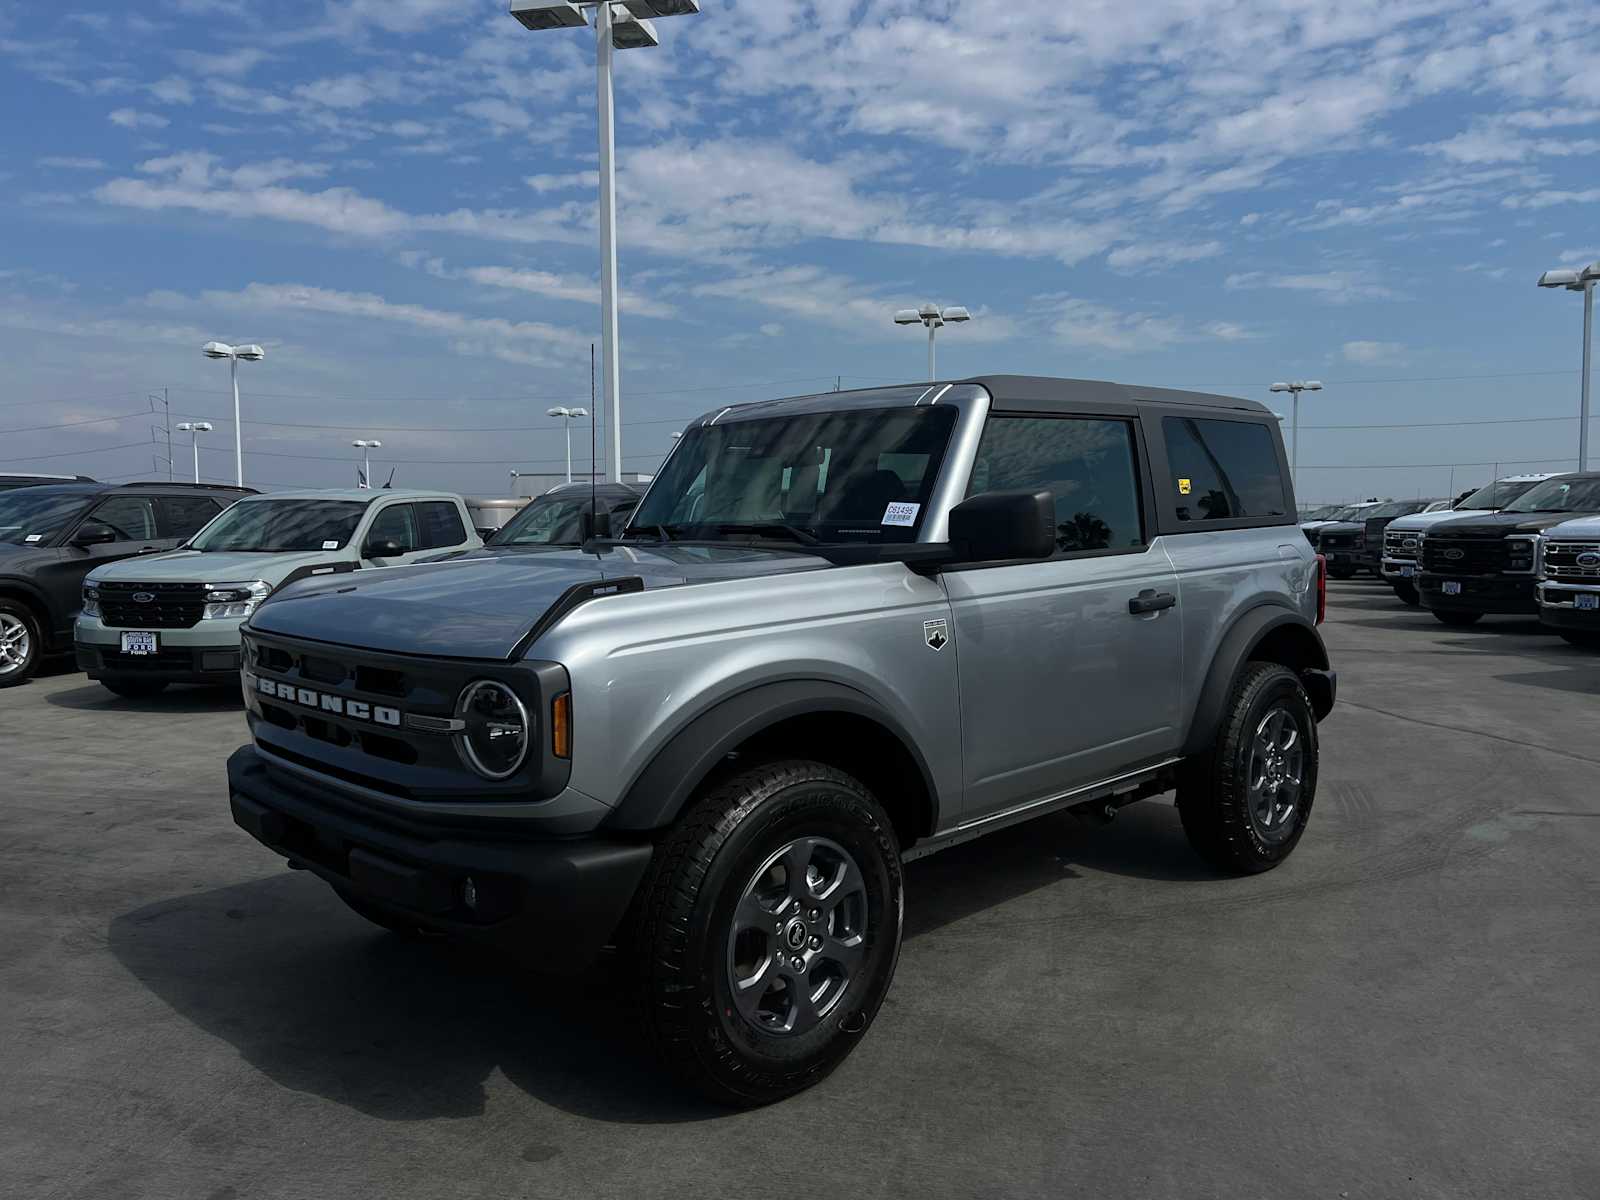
[
  {"x": 1586, "y": 600},
  {"x": 1452, "y": 588},
  {"x": 1408, "y": 572},
  {"x": 139, "y": 643}
]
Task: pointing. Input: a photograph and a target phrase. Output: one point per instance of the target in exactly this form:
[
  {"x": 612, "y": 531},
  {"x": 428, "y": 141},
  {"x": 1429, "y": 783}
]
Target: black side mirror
[
  {"x": 383, "y": 549},
  {"x": 1000, "y": 526},
  {"x": 93, "y": 533}
]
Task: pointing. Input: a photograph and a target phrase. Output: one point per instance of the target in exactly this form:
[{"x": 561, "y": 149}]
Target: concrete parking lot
[{"x": 1407, "y": 1008}]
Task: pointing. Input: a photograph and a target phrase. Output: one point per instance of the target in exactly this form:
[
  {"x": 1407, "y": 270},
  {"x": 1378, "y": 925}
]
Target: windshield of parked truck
[
  {"x": 29, "y": 516},
  {"x": 861, "y": 476},
  {"x": 1499, "y": 493},
  {"x": 281, "y": 527},
  {"x": 1569, "y": 493},
  {"x": 547, "y": 521},
  {"x": 1395, "y": 508}
]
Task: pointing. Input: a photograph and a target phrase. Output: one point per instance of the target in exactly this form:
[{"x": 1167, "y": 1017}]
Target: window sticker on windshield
[
  {"x": 901, "y": 512},
  {"x": 34, "y": 537},
  {"x": 1185, "y": 487},
  {"x": 330, "y": 545}
]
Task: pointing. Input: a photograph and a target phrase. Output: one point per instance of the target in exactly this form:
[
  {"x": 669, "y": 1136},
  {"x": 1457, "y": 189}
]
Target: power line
[
  {"x": 79, "y": 453},
  {"x": 75, "y": 424},
  {"x": 1499, "y": 462}
]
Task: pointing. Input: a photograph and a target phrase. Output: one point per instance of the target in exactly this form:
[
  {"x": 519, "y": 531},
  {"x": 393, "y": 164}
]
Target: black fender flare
[
  {"x": 11, "y": 585},
  {"x": 659, "y": 792},
  {"x": 1237, "y": 647}
]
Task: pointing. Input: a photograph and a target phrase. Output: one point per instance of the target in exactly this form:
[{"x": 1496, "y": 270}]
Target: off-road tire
[
  {"x": 1407, "y": 594},
  {"x": 1214, "y": 787},
  {"x": 680, "y": 932},
  {"x": 1583, "y": 639},
  {"x": 19, "y": 614},
  {"x": 132, "y": 687},
  {"x": 395, "y": 922},
  {"x": 1341, "y": 572},
  {"x": 1457, "y": 618}
]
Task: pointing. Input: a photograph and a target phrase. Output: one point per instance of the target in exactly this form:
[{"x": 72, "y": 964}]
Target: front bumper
[
  {"x": 553, "y": 902},
  {"x": 1509, "y": 594},
  {"x": 1558, "y": 609},
  {"x": 207, "y": 652},
  {"x": 1394, "y": 570}
]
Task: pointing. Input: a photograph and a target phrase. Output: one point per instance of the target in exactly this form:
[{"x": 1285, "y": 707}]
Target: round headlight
[{"x": 497, "y": 730}]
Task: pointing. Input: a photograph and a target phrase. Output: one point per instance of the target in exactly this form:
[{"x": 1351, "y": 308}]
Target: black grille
[
  {"x": 170, "y": 605},
  {"x": 1337, "y": 541},
  {"x": 1465, "y": 555}
]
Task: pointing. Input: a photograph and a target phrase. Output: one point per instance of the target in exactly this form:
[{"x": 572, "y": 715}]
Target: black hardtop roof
[
  {"x": 1044, "y": 390},
  {"x": 91, "y": 488}
]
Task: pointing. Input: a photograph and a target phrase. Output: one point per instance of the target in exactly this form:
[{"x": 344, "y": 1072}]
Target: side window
[
  {"x": 133, "y": 518},
  {"x": 1089, "y": 465},
  {"x": 182, "y": 516},
  {"x": 397, "y": 523},
  {"x": 1223, "y": 470},
  {"x": 441, "y": 525}
]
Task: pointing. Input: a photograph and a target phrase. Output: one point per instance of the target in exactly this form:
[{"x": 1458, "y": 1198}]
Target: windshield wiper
[
  {"x": 756, "y": 528},
  {"x": 662, "y": 533}
]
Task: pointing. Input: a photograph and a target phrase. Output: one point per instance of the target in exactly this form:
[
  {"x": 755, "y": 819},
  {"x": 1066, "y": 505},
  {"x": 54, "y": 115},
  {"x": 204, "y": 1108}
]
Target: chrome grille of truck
[{"x": 1561, "y": 560}]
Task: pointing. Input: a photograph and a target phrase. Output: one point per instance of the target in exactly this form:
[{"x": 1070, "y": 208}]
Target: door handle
[{"x": 1150, "y": 600}]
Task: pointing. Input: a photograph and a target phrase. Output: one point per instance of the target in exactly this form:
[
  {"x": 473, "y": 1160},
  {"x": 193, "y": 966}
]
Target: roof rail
[{"x": 213, "y": 487}]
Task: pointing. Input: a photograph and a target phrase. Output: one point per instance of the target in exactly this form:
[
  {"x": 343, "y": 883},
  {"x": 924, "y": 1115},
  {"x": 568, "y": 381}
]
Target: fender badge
[{"x": 935, "y": 633}]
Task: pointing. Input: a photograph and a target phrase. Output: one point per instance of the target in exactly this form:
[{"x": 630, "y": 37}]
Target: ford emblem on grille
[
  {"x": 143, "y": 597},
  {"x": 1589, "y": 558},
  {"x": 1452, "y": 555}
]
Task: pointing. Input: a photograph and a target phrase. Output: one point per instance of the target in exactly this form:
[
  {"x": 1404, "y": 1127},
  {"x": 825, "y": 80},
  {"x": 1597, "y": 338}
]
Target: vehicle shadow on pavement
[
  {"x": 177, "y": 699},
  {"x": 324, "y": 1004}
]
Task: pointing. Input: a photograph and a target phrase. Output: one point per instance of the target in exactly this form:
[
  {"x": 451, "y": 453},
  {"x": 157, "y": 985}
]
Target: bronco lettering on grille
[{"x": 355, "y": 710}]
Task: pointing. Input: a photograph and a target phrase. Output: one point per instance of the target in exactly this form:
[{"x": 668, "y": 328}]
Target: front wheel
[
  {"x": 1456, "y": 618},
  {"x": 1407, "y": 593},
  {"x": 21, "y": 643},
  {"x": 132, "y": 687},
  {"x": 767, "y": 931},
  {"x": 1341, "y": 572},
  {"x": 1245, "y": 803}
]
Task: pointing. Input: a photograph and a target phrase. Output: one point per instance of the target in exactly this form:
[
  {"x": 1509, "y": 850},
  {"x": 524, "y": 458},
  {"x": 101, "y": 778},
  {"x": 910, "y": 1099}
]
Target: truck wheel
[
  {"x": 1407, "y": 592},
  {"x": 1584, "y": 639},
  {"x": 1456, "y": 618},
  {"x": 132, "y": 686},
  {"x": 21, "y": 643},
  {"x": 384, "y": 918},
  {"x": 1341, "y": 572},
  {"x": 767, "y": 931},
  {"x": 1245, "y": 803}
]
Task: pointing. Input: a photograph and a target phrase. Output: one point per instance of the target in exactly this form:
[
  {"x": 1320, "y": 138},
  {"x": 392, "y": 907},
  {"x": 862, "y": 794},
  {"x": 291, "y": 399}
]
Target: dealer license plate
[
  {"x": 1408, "y": 572},
  {"x": 139, "y": 643},
  {"x": 1586, "y": 600}
]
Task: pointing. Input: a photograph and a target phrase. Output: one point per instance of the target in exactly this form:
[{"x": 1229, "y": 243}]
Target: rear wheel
[
  {"x": 1245, "y": 803},
  {"x": 767, "y": 931},
  {"x": 1457, "y": 618},
  {"x": 21, "y": 643},
  {"x": 132, "y": 686},
  {"x": 1584, "y": 639},
  {"x": 1407, "y": 592}
]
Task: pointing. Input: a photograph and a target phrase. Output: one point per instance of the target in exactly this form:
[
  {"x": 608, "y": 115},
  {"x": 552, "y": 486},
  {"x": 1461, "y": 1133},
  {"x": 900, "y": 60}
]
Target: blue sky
[{"x": 396, "y": 198}]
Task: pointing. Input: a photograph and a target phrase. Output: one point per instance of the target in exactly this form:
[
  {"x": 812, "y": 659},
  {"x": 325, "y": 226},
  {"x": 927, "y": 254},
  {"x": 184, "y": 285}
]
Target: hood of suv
[
  {"x": 1498, "y": 524},
  {"x": 191, "y": 566},
  {"x": 482, "y": 606},
  {"x": 1428, "y": 520}
]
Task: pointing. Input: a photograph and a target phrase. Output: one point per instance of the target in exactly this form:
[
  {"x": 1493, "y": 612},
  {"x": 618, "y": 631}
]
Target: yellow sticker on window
[{"x": 1184, "y": 487}]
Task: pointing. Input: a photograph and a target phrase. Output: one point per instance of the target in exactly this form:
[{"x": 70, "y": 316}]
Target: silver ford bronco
[{"x": 840, "y": 632}]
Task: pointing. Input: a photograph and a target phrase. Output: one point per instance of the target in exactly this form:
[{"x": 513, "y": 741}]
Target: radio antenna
[{"x": 594, "y": 504}]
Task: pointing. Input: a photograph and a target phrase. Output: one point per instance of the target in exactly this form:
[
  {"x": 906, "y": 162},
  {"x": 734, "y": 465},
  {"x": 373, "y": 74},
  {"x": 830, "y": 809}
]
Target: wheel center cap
[{"x": 795, "y": 934}]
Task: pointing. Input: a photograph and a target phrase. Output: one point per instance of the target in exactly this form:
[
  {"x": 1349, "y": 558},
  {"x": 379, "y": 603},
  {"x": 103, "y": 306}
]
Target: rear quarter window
[{"x": 1223, "y": 470}]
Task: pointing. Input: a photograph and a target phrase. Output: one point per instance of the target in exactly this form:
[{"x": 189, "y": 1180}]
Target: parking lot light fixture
[
  {"x": 619, "y": 25},
  {"x": 195, "y": 429},
  {"x": 566, "y": 415},
  {"x": 233, "y": 354},
  {"x": 1580, "y": 281},
  {"x": 366, "y": 446},
  {"x": 1295, "y": 388},
  {"x": 932, "y": 316}
]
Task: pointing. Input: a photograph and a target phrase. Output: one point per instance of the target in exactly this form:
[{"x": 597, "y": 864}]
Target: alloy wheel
[{"x": 1277, "y": 773}]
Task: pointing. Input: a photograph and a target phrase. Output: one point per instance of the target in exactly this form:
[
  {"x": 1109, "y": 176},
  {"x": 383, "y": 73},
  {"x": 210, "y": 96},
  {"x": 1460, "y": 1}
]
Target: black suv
[
  {"x": 1490, "y": 563},
  {"x": 52, "y": 535}
]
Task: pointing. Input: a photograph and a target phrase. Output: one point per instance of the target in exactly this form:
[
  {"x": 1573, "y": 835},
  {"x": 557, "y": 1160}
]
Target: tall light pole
[
  {"x": 195, "y": 429},
  {"x": 566, "y": 415},
  {"x": 366, "y": 446},
  {"x": 933, "y": 317},
  {"x": 625, "y": 30},
  {"x": 233, "y": 354},
  {"x": 1580, "y": 281},
  {"x": 1298, "y": 386}
]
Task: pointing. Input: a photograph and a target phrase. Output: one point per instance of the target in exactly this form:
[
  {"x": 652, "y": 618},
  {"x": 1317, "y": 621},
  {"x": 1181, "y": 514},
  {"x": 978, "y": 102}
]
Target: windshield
[
  {"x": 1499, "y": 493},
  {"x": 1396, "y": 508},
  {"x": 547, "y": 521},
  {"x": 28, "y": 517},
  {"x": 1569, "y": 494},
  {"x": 281, "y": 526},
  {"x": 859, "y": 477}
]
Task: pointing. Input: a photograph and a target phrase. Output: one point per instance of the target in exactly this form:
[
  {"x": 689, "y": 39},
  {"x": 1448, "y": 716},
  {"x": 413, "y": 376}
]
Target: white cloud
[
  {"x": 132, "y": 118},
  {"x": 571, "y": 181},
  {"x": 60, "y": 162},
  {"x": 1373, "y": 353},
  {"x": 503, "y": 115},
  {"x": 1339, "y": 287},
  {"x": 772, "y": 329},
  {"x": 1552, "y": 197},
  {"x": 575, "y": 288},
  {"x": 1138, "y": 255},
  {"x": 234, "y": 63},
  {"x": 172, "y": 90}
]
